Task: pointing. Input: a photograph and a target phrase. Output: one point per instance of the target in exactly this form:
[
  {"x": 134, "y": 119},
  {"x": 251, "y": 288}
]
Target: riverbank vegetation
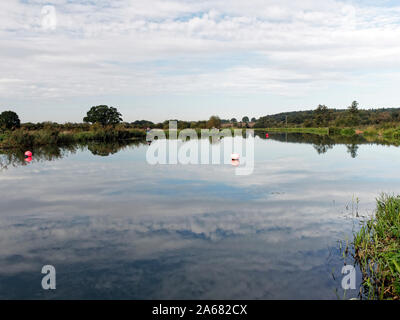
[
  {"x": 323, "y": 116},
  {"x": 103, "y": 123},
  {"x": 318, "y": 131},
  {"x": 377, "y": 250},
  {"x": 60, "y": 136}
]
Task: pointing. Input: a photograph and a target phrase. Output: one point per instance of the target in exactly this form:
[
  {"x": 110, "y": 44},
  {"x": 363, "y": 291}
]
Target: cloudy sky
[{"x": 188, "y": 59}]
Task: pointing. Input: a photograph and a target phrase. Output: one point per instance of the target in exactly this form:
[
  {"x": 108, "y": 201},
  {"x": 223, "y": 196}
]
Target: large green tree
[
  {"x": 214, "y": 122},
  {"x": 104, "y": 115},
  {"x": 353, "y": 114},
  {"x": 321, "y": 115},
  {"x": 9, "y": 120},
  {"x": 245, "y": 119}
]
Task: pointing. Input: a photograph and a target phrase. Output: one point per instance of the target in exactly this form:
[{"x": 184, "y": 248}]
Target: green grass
[
  {"x": 377, "y": 250},
  {"x": 371, "y": 132},
  {"x": 25, "y": 138},
  {"x": 347, "y": 132},
  {"x": 319, "y": 131},
  {"x": 53, "y": 135},
  {"x": 392, "y": 133},
  {"x": 388, "y": 135}
]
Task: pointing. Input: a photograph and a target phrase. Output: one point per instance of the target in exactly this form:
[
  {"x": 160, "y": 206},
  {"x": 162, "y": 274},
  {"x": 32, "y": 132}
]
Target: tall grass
[
  {"x": 25, "y": 138},
  {"x": 371, "y": 131},
  {"x": 320, "y": 131},
  {"x": 377, "y": 250},
  {"x": 347, "y": 132}
]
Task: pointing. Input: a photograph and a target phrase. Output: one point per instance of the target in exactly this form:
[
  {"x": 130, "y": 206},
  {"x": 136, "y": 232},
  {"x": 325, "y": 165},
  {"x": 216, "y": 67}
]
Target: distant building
[
  {"x": 227, "y": 125},
  {"x": 238, "y": 125}
]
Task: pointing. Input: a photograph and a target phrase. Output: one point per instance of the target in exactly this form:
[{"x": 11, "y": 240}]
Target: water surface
[{"x": 116, "y": 227}]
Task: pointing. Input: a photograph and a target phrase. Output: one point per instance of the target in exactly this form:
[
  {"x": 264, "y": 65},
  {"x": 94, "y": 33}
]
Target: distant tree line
[
  {"x": 105, "y": 116},
  {"x": 322, "y": 116},
  {"x": 213, "y": 122}
]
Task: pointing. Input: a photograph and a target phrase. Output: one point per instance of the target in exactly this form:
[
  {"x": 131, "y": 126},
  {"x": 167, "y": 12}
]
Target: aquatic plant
[{"x": 377, "y": 250}]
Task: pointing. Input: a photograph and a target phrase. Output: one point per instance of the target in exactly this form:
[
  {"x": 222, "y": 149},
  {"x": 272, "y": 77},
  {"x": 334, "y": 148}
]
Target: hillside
[{"x": 330, "y": 117}]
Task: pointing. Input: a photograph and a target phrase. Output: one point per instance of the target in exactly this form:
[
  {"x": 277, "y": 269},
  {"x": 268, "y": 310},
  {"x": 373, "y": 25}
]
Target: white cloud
[{"x": 235, "y": 47}]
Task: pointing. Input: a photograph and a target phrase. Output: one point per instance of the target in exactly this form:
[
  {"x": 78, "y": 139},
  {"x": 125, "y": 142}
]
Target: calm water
[{"x": 116, "y": 227}]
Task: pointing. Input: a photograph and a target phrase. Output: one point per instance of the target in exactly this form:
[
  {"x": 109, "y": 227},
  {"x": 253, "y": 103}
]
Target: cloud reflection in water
[{"x": 125, "y": 229}]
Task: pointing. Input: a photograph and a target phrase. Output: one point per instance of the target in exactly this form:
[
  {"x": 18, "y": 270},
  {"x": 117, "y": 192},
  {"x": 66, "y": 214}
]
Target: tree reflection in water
[
  {"x": 323, "y": 143},
  {"x": 16, "y": 157}
]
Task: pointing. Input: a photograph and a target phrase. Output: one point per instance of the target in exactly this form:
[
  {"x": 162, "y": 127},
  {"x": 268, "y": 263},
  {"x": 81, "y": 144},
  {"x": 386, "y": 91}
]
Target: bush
[
  {"x": 388, "y": 133},
  {"x": 348, "y": 132},
  {"x": 26, "y": 138},
  {"x": 18, "y": 138},
  {"x": 334, "y": 131},
  {"x": 396, "y": 134},
  {"x": 370, "y": 131}
]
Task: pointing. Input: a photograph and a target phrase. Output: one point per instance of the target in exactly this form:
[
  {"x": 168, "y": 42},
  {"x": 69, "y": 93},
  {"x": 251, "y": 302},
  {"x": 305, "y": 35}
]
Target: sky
[{"x": 189, "y": 59}]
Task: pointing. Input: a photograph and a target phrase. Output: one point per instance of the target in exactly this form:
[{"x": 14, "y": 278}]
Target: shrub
[
  {"x": 348, "y": 132},
  {"x": 334, "y": 131},
  {"x": 370, "y": 131}
]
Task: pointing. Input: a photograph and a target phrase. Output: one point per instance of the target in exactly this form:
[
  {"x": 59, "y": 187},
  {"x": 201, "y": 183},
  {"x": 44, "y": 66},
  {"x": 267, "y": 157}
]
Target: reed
[
  {"x": 26, "y": 138},
  {"x": 377, "y": 250},
  {"x": 319, "y": 131}
]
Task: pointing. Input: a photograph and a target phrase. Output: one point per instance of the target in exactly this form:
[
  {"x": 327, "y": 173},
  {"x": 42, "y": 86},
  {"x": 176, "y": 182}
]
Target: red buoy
[
  {"x": 28, "y": 154},
  {"x": 235, "y": 163},
  {"x": 235, "y": 156},
  {"x": 28, "y": 159},
  {"x": 267, "y": 135}
]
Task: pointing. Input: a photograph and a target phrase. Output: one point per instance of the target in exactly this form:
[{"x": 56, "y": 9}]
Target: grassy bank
[
  {"x": 377, "y": 250},
  {"x": 372, "y": 133},
  {"x": 63, "y": 134},
  {"x": 320, "y": 131},
  {"x": 335, "y": 131},
  {"x": 32, "y": 138},
  {"x": 385, "y": 133}
]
